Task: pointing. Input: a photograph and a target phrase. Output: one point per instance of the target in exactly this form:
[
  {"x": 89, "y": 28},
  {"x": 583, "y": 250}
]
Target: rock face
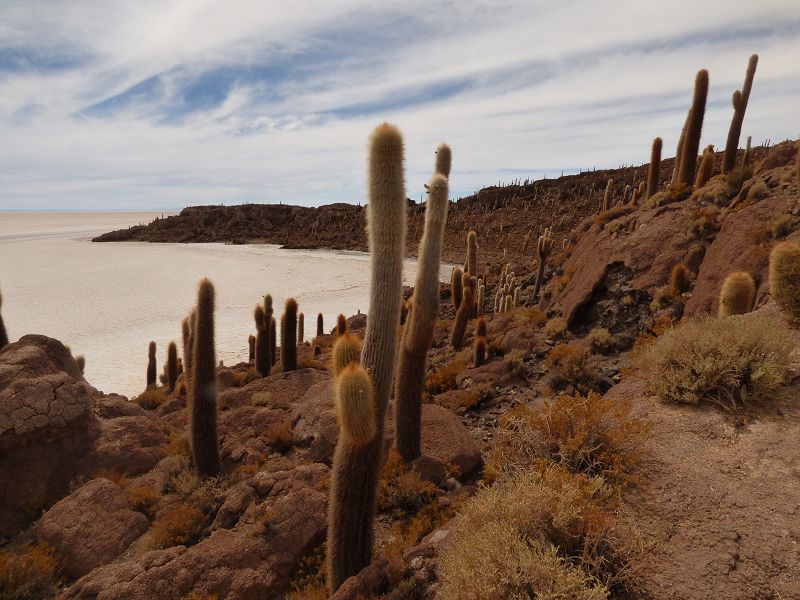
[
  {"x": 718, "y": 507},
  {"x": 45, "y": 414},
  {"x": 91, "y": 527}
]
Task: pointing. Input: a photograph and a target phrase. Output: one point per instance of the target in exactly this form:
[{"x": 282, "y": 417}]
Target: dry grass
[
  {"x": 143, "y": 498},
  {"x": 600, "y": 340},
  {"x": 31, "y": 574},
  {"x": 593, "y": 435},
  {"x": 515, "y": 363},
  {"x": 443, "y": 378},
  {"x": 402, "y": 489},
  {"x": 574, "y": 365},
  {"x": 556, "y": 328},
  {"x": 178, "y": 525},
  {"x": 308, "y": 580},
  {"x": 242, "y": 378},
  {"x": 541, "y": 534},
  {"x": 152, "y": 398},
  {"x": 733, "y": 363},
  {"x": 531, "y": 317},
  {"x": 280, "y": 436}
]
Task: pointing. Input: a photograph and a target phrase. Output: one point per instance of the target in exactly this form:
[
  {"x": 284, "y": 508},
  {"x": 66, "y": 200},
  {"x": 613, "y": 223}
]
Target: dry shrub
[
  {"x": 600, "y": 340},
  {"x": 574, "y": 365},
  {"x": 152, "y": 398},
  {"x": 705, "y": 221},
  {"x": 565, "y": 278},
  {"x": 178, "y": 525},
  {"x": 515, "y": 363},
  {"x": 443, "y": 379},
  {"x": 529, "y": 316},
  {"x": 541, "y": 534},
  {"x": 758, "y": 190},
  {"x": 401, "y": 488},
  {"x": 177, "y": 444},
  {"x": 594, "y": 435},
  {"x": 143, "y": 498},
  {"x": 782, "y": 225},
  {"x": 280, "y": 436},
  {"x": 113, "y": 476},
  {"x": 261, "y": 399},
  {"x": 31, "y": 574},
  {"x": 555, "y": 327},
  {"x": 738, "y": 362},
  {"x": 241, "y": 379},
  {"x": 308, "y": 580},
  {"x": 615, "y": 212}
]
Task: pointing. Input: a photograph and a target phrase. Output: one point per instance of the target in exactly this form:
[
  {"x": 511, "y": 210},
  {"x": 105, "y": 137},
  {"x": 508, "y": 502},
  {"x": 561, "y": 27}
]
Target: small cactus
[
  {"x": 607, "y": 195},
  {"x": 152, "y": 370},
  {"x": 737, "y": 295},
  {"x": 747, "y": 152},
  {"x": 740, "y": 100},
  {"x": 508, "y": 303},
  {"x": 516, "y": 296},
  {"x": 479, "y": 352},
  {"x": 341, "y": 325},
  {"x": 784, "y": 277},
  {"x": 691, "y": 143},
  {"x": 203, "y": 407},
  {"x": 320, "y": 325},
  {"x": 81, "y": 362},
  {"x": 251, "y": 348},
  {"x": 3, "y": 334},
  {"x": 680, "y": 279},
  {"x": 300, "y": 329},
  {"x": 706, "y": 169},
  {"x": 480, "y": 327},
  {"x": 172, "y": 367},
  {"x": 457, "y": 286},
  {"x": 543, "y": 249},
  {"x": 480, "y": 300}
]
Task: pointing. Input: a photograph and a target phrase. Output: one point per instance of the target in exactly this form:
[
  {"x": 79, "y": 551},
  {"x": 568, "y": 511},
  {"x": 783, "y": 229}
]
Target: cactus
[
  {"x": 203, "y": 406},
  {"x": 737, "y": 295},
  {"x": 300, "y": 329},
  {"x": 463, "y": 313},
  {"x": 479, "y": 351},
  {"x": 784, "y": 277},
  {"x": 81, "y": 362},
  {"x": 320, "y": 325},
  {"x": 654, "y": 168},
  {"x": 507, "y": 303},
  {"x": 251, "y": 348},
  {"x": 740, "y": 100},
  {"x": 418, "y": 333},
  {"x": 356, "y": 468},
  {"x": 748, "y": 156},
  {"x": 480, "y": 327},
  {"x": 289, "y": 336},
  {"x": 607, "y": 195},
  {"x": 680, "y": 279},
  {"x": 3, "y": 334},
  {"x": 172, "y": 367},
  {"x": 152, "y": 370},
  {"x": 706, "y": 169},
  {"x": 543, "y": 249},
  {"x": 472, "y": 253},
  {"x": 691, "y": 142},
  {"x": 457, "y": 286},
  {"x": 526, "y": 241},
  {"x": 273, "y": 341},
  {"x": 516, "y": 296},
  {"x": 481, "y": 296},
  {"x": 444, "y": 158},
  {"x": 186, "y": 340},
  {"x": 180, "y": 367},
  {"x": 346, "y": 350},
  {"x": 263, "y": 362},
  {"x": 634, "y": 202}
]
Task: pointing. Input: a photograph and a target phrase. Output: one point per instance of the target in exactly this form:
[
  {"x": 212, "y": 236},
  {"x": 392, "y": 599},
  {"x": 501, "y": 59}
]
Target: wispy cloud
[{"x": 133, "y": 105}]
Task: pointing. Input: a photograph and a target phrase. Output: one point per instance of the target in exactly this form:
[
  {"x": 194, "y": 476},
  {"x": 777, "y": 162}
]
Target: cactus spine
[
  {"x": 263, "y": 361},
  {"x": 203, "y": 407},
  {"x": 300, "y": 329},
  {"x": 320, "y": 325},
  {"x": 737, "y": 295},
  {"x": 152, "y": 371},
  {"x": 464, "y": 311},
  {"x": 784, "y": 276},
  {"x": 289, "y": 336},
  {"x": 418, "y": 332},
  {"x": 356, "y": 468},
  {"x": 172, "y": 367},
  {"x": 456, "y": 286},
  {"x": 654, "y": 168},
  {"x": 543, "y": 248},
  {"x": 740, "y": 100},
  {"x": 691, "y": 143},
  {"x": 3, "y": 334}
]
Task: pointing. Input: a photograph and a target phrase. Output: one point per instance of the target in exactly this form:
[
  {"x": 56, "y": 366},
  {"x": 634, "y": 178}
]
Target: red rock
[{"x": 91, "y": 527}]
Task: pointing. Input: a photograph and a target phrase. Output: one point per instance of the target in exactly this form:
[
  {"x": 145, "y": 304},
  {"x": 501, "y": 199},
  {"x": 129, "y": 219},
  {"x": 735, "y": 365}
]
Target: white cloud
[{"x": 515, "y": 87}]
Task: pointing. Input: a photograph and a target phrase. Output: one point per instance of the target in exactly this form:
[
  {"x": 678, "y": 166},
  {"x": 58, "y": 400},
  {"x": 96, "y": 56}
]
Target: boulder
[
  {"x": 130, "y": 445},
  {"x": 45, "y": 420},
  {"x": 445, "y": 439},
  {"x": 91, "y": 527},
  {"x": 314, "y": 420}
]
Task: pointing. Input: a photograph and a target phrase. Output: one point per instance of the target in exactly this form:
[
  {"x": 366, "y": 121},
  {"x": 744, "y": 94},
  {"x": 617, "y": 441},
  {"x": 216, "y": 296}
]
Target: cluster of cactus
[
  {"x": 362, "y": 393},
  {"x": 740, "y": 100},
  {"x": 737, "y": 295},
  {"x": 543, "y": 249},
  {"x": 203, "y": 405},
  {"x": 3, "y": 334},
  {"x": 784, "y": 276},
  {"x": 508, "y": 294},
  {"x": 424, "y": 307}
]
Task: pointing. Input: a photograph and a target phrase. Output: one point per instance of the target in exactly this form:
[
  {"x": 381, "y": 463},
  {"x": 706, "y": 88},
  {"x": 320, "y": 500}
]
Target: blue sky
[{"x": 142, "y": 104}]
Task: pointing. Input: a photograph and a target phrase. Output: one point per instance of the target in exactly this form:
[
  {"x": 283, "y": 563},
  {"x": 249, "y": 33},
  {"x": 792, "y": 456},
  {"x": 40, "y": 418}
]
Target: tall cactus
[
  {"x": 456, "y": 286},
  {"x": 356, "y": 467},
  {"x": 172, "y": 367},
  {"x": 472, "y": 253},
  {"x": 464, "y": 311},
  {"x": 3, "y": 334},
  {"x": 320, "y": 325},
  {"x": 301, "y": 329},
  {"x": 289, "y": 336},
  {"x": 444, "y": 158},
  {"x": 543, "y": 248},
  {"x": 706, "y": 169},
  {"x": 273, "y": 341},
  {"x": 418, "y": 332},
  {"x": 740, "y": 100},
  {"x": 152, "y": 370},
  {"x": 203, "y": 407},
  {"x": 263, "y": 360},
  {"x": 251, "y": 348},
  {"x": 691, "y": 143},
  {"x": 341, "y": 325},
  {"x": 654, "y": 168},
  {"x": 607, "y": 195}
]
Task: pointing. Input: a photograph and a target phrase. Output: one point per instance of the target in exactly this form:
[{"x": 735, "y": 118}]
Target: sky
[{"x": 153, "y": 104}]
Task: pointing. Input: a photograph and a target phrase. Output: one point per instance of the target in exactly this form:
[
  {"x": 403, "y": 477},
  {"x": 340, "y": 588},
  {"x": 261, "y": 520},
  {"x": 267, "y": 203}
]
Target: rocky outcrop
[
  {"x": 45, "y": 417},
  {"x": 91, "y": 527}
]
